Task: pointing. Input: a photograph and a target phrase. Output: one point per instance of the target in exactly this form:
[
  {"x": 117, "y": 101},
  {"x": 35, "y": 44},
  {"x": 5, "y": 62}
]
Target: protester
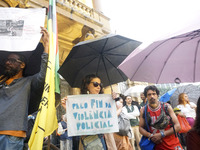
[
  {"x": 91, "y": 84},
  {"x": 187, "y": 108},
  {"x": 122, "y": 142},
  {"x": 134, "y": 102},
  {"x": 15, "y": 92},
  {"x": 132, "y": 112},
  {"x": 144, "y": 100},
  {"x": 193, "y": 136},
  {"x": 161, "y": 133},
  {"x": 65, "y": 140}
]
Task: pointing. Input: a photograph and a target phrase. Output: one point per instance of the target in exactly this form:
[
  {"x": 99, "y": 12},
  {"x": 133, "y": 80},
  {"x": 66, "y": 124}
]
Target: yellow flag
[{"x": 46, "y": 121}]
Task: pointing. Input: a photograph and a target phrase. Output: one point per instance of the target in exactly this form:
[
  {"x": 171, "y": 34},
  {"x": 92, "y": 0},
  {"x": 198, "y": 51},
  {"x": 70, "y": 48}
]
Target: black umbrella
[
  {"x": 99, "y": 56},
  {"x": 32, "y": 67}
]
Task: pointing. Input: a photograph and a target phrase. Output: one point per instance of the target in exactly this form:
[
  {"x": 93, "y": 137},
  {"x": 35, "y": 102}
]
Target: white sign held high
[
  {"x": 20, "y": 28},
  {"x": 91, "y": 114}
]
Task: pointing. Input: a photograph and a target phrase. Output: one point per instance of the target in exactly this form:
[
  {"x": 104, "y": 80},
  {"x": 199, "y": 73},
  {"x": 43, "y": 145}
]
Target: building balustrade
[{"x": 79, "y": 8}]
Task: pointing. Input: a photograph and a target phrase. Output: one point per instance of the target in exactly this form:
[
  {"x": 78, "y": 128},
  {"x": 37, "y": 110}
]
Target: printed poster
[{"x": 20, "y": 28}]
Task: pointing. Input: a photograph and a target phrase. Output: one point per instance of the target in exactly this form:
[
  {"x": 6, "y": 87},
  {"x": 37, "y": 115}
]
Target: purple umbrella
[{"x": 176, "y": 59}]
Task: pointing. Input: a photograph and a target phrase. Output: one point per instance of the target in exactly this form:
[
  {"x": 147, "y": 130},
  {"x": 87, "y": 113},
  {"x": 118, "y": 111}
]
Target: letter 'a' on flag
[{"x": 46, "y": 121}]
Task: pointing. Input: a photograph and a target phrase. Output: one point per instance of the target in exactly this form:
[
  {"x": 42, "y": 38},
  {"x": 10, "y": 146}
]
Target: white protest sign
[
  {"x": 90, "y": 114},
  {"x": 20, "y": 28}
]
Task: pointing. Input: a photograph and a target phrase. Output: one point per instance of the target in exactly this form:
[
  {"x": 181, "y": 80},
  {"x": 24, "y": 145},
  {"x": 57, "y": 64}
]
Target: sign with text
[
  {"x": 20, "y": 28},
  {"x": 90, "y": 114}
]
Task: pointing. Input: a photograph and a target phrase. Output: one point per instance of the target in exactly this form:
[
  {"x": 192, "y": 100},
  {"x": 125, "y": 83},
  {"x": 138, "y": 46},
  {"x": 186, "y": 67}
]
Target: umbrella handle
[
  {"x": 111, "y": 88},
  {"x": 177, "y": 80}
]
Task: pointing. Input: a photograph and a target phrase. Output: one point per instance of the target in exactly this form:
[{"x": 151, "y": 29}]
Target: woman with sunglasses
[{"x": 91, "y": 84}]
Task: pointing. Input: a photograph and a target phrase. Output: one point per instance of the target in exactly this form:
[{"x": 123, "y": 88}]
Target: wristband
[
  {"x": 162, "y": 134},
  {"x": 150, "y": 136}
]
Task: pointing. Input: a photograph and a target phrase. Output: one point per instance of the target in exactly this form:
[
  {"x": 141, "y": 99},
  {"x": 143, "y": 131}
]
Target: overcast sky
[{"x": 149, "y": 20}]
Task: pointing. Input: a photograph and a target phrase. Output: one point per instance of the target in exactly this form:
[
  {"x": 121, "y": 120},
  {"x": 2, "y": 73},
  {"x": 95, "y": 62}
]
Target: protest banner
[{"x": 90, "y": 114}]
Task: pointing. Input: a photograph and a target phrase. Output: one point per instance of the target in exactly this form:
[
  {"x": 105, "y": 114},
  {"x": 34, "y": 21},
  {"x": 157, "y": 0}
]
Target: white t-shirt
[
  {"x": 131, "y": 115},
  {"x": 187, "y": 110}
]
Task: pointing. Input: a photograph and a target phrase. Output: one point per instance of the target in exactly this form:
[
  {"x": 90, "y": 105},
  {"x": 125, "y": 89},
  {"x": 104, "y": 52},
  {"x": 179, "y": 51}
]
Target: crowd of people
[{"x": 160, "y": 117}]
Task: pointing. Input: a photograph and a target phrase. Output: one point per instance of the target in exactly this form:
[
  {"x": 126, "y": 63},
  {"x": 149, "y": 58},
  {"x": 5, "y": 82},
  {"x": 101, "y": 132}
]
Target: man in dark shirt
[
  {"x": 144, "y": 100},
  {"x": 15, "y": 95}
]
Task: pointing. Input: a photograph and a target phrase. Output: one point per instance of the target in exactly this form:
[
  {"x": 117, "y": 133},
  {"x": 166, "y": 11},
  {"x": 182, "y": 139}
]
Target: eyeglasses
[
  {"x": 95, "y": 84},
  {"x": 12, "y": 60}
]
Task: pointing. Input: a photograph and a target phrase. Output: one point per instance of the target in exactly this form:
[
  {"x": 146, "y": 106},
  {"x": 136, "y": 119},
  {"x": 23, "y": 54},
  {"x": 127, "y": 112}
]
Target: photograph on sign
[{"x": 19, "y": 26}]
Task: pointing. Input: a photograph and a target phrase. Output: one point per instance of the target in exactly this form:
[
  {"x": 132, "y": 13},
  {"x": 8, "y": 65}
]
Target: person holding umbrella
[
  {"x": 187, "y": 108},
  {"x": 91, "y": 84},
  {"x": 15, "y": 92}
]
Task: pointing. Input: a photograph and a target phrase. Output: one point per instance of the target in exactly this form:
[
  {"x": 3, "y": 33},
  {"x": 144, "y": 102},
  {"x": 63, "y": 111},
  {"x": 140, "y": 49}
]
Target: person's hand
[
  {"x": 114, "y": 95},
  {"x": 181, "y": 114},
  {"x": 192, "y": 106},
  {"x": 119, "y": 105},
  {"x": 63, "y": 102},
  {"x": 156, "y": 138},
  {"x": 45, "y": 39}
]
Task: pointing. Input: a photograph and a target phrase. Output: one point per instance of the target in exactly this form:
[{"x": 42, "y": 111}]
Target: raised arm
[
  {"x": 63, "y": 102},
  {"x": 45, "y": 39},
  {"x": 39, "y": 78}
]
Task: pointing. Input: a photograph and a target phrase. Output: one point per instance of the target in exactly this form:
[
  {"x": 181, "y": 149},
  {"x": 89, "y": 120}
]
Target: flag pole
[{"x": 49, "y": 141}]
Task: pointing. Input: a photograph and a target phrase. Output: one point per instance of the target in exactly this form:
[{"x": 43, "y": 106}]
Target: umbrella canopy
[
  {"x": 135, "y": 90},
  {"x": 99, "y": 56},
  {"x": 193, "y": 92},
  {"x": 166, "y": 97},
  {"x": 33, "y": 60},
  {"x": 175, "y": 59}
]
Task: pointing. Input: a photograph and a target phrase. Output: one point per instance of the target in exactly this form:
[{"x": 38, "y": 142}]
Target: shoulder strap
[
  {"x": 145, "y": 117},
  {"x": 167, "y": 113}
]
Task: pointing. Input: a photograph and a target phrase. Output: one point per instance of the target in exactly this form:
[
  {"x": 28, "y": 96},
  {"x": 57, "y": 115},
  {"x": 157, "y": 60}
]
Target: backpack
[{"x": 124, "y": 125}]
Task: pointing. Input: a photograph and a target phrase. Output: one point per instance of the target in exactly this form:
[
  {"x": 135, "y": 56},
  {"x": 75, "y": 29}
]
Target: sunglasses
[
  {"x": 95, "y": 84},
  {"x": 12, "y": 60}
]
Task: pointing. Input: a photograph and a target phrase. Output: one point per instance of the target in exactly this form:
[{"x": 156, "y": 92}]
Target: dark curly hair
[
  {"x": 86, "y": 81},
  {"x": 197, "y": 120},
  {"x": 151, "y": 87}
]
